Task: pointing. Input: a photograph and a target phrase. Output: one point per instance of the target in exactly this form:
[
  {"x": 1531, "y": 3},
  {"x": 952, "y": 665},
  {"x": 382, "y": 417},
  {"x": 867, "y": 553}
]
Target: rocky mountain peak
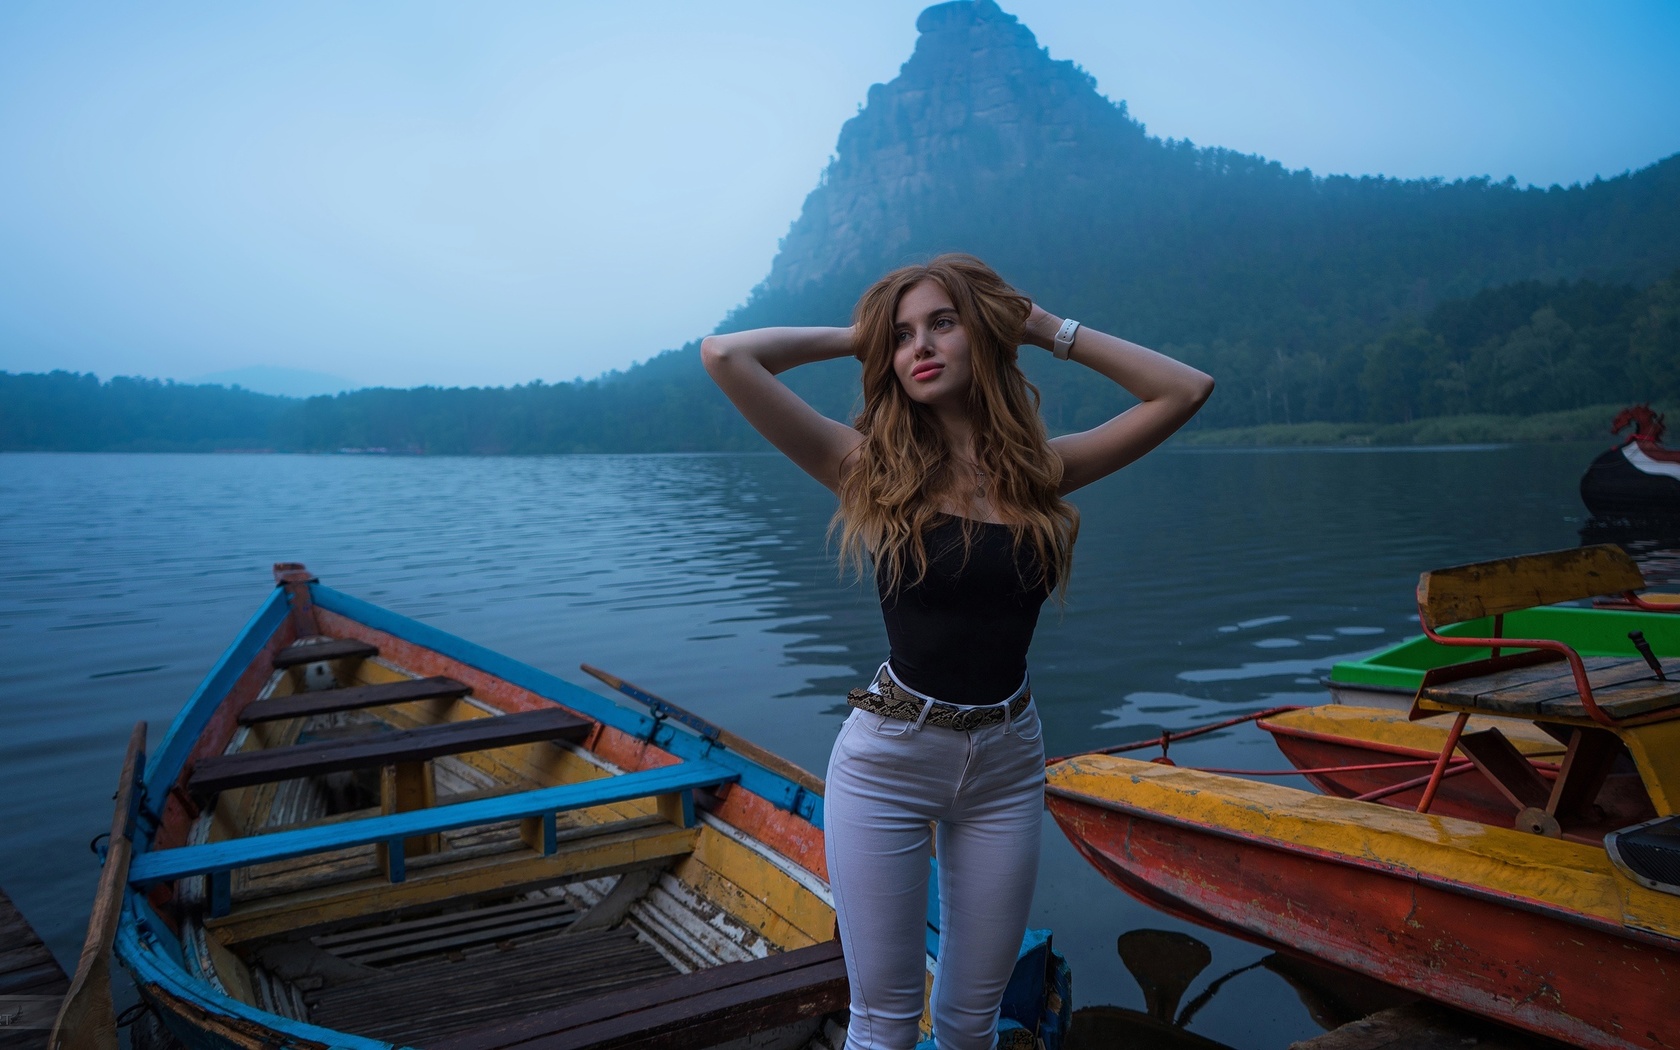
[{"x": 979, "y": 99}]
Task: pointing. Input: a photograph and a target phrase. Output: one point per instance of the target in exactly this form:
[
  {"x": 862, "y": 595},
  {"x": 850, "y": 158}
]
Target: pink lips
[{"x": 926, "y": 370}]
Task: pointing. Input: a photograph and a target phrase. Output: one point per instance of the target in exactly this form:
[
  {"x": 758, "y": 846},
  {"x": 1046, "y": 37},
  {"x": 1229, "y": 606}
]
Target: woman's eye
[
  {"x": 901, "y": 335},
  {"x": 943, "y": 322}
]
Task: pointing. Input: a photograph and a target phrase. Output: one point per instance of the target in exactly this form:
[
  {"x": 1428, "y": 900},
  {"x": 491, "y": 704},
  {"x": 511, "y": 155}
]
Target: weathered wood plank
[
  {"x": 745, "y": 906},
  {"x": 27, "y": 968},
  {"x": 336, "y": 649},
  {"x": 418, "y": 1003},
  {"x": 1592, "y": 752},
  {"x": 1601, "y": 674},
  {"x": 163, "y": 865},
  {"x": 694, "y": 1010},
  {"x": 1506, "y": 768},
  {"x": 1491, "y": 588},
  {"x": 328, "y": 701},
  {"x": 244, "y": 768},
  {"x": 21, "y": 948},
  {"x": 21, "y": 956},
  {"x": 605, "y": 851},
  {"x": 45, "y": 978},
  {"x": 1620, "y": 700},
  {"x": 1623, "y": 688},
  {"x": 759, "y": 877},
  {"x": 1554, "y": 674},
  {"x": 607, "y": 912},
  {"x": 370, "y": 938}
]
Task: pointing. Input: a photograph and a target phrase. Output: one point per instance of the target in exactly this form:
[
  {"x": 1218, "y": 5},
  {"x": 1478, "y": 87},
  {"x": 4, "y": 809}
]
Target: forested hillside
[
  {"x": 1276, "y": 281},
  {"x": 1308, "y": 297},
  {"x": 1517, "y": 350}
]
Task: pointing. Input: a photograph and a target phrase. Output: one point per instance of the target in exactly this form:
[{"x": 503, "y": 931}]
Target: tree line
[{"x": 1520, "y": 348}]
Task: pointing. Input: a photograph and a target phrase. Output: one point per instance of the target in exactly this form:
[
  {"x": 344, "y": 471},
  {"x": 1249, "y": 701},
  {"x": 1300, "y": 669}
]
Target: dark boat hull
[{"x": 1637, "y": 481}]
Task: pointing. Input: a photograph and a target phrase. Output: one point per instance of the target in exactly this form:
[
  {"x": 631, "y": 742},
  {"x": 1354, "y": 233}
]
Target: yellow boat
[{"x": 1551, "y": 913}]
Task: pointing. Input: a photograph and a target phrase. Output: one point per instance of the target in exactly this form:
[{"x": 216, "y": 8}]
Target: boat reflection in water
[{"x": 1165, "y": 963}]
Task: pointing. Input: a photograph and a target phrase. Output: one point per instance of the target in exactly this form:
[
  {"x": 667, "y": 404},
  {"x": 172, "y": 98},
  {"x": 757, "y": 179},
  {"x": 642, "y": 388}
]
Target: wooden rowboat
[
  {"x": 1547, "y": 902},
  {"x": 364, "y": 832}
]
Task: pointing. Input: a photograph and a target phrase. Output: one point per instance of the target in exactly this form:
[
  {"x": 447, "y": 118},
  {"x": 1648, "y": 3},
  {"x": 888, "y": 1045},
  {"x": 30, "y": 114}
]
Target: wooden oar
[
  {"x": 745, "y": 748},
  {"x": 87, "y": 1020}
]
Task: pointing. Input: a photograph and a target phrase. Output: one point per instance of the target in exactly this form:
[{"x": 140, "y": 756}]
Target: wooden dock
[{"x": 32, "y": 984}]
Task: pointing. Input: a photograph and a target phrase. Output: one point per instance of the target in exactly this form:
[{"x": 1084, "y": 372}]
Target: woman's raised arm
[
  {"x": 745, "y": 365},
  {"x": 1170, "y": 392}
]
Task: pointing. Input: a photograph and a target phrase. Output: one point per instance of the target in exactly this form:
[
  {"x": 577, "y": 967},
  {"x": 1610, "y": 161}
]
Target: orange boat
[{"x": 1546, "y": 898}]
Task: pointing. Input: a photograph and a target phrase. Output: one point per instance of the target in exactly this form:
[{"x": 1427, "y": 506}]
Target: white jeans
[{"x": 887, "y": 779}]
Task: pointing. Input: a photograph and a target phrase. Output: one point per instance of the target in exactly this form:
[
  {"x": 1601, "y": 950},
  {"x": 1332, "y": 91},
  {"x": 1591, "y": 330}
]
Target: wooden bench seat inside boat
[
  {"x": 245, "y": 768},
  {"x": 1595, "y": 706},
  {"x": 1621, "y": 689},
  {"x": 331, "y": 701},
  {"x": 673, "y": 786},
  {"x": 300, "y": 653},
  {"x": 694, "y": 1010},
  {"x": 1543, "y": 679}
]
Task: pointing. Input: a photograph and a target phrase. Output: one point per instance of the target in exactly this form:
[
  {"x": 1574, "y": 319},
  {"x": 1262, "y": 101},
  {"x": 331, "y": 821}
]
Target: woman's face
[{"x": 930, "y": 346}]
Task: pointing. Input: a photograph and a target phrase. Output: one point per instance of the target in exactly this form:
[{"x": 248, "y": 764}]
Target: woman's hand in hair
[
  {"x": 1041, "y": 328},
  {"x": 745, "y": 365},
  {"x": 1169, "y": 392}
]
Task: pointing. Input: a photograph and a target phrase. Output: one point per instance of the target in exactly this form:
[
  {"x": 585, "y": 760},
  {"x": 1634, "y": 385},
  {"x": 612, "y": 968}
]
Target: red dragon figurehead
[{"x": 1647, "y": 425}]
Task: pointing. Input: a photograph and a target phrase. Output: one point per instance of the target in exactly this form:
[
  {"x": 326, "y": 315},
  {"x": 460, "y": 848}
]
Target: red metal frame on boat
[
  {"x": 1166, "y": 739},
  {"x": 1576, "y": 667},
  {"x": 1640, "y": 603}
]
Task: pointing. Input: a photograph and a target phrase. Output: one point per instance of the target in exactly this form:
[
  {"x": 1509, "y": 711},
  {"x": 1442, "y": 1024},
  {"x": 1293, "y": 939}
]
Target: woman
[{"x": 947, "y": 481}]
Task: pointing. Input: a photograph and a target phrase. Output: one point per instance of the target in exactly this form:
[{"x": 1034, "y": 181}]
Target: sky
[{"x": 409, "y": 193}]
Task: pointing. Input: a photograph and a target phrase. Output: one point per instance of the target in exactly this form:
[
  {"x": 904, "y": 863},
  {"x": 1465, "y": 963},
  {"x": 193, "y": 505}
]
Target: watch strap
[{"x": 1063, "y": 345}]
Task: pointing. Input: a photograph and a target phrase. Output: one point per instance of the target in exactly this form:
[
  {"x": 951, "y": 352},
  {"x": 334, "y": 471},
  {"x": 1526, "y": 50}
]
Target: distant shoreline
[
  {"x": 1577, "y": 424},
  {"x": 1591, "y": 424}
]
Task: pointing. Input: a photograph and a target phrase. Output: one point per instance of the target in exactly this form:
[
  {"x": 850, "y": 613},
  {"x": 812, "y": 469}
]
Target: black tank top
[{"x": 961, "y": 634}]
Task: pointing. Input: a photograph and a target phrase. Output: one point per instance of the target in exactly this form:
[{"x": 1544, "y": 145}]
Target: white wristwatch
[{"x": 1063, "y": 345}]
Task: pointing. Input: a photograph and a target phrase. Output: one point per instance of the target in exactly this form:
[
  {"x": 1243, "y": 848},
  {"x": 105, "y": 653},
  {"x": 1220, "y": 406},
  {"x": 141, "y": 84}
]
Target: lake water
[{"x": 1206, "y": 584}]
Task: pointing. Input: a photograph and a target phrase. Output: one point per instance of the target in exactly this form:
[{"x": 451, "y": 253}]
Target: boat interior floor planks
[
  {"x": 417, "y": 1003},
  {"x": 694, "y": 1010}
]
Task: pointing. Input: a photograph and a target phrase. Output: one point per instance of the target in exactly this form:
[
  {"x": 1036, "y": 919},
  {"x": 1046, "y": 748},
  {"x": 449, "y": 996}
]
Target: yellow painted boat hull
[{"x": 1544, "y": 934}]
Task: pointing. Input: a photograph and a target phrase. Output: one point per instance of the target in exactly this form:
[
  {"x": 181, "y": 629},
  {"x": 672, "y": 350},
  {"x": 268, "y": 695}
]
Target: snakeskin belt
[{"x": 893, "y": 702}]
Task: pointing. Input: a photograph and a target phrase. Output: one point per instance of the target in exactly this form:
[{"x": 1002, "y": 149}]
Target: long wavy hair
[{"x": 891, "y": 488}]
